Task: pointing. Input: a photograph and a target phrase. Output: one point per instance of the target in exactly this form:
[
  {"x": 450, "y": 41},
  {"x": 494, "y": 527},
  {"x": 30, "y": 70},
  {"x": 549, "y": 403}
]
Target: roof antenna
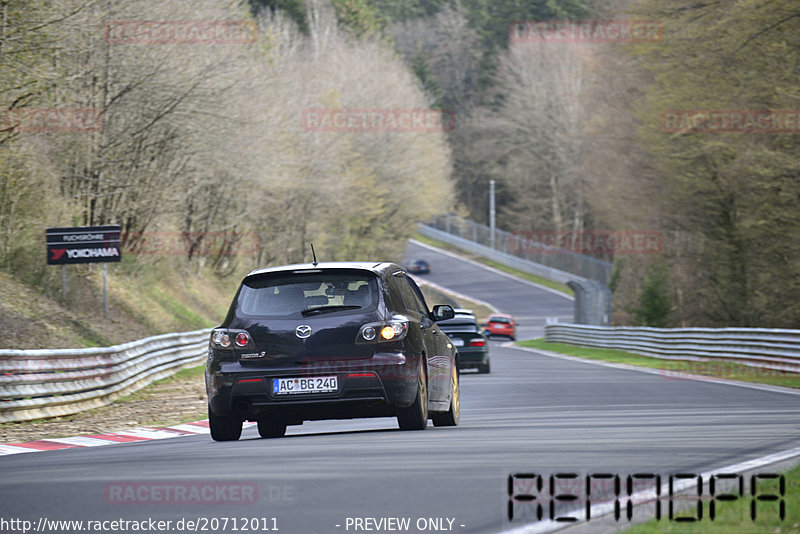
[{"x": 314, "y": 254}]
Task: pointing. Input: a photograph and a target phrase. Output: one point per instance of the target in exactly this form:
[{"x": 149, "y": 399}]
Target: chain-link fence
[{"x": 525, "y": 248}]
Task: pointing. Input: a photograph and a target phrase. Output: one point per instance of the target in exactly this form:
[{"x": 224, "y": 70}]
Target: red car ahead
[{"x": 501, "y": 324}]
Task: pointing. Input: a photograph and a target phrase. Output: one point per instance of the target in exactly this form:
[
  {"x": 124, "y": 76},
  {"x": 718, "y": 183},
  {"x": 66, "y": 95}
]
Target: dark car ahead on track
[
  {"x": 418, "y": 267},
  {"x": 470, "y": 341},
  {"x": 330, "y": 341}
]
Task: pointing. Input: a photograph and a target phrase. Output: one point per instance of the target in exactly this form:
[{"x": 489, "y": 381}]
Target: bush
[{"x": 654, "y": 302}]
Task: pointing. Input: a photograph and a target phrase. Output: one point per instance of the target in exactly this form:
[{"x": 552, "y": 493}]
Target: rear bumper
[
  {"x": 510, "y": 332},
  {"x": 473, "y": 358},
  {"x": 371, "y": 387}
]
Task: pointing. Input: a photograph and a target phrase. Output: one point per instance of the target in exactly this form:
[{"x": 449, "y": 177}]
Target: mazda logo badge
[{"x": 303, "y": 331}]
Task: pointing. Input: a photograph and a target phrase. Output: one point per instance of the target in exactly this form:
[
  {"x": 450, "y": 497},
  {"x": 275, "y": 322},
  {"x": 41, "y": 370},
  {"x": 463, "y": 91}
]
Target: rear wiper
[{"x": 326, "y": 309}]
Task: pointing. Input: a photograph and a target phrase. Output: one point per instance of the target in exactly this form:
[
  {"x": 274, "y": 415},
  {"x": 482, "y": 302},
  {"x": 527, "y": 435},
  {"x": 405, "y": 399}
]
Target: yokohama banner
[{"x": 84, "y": 244}]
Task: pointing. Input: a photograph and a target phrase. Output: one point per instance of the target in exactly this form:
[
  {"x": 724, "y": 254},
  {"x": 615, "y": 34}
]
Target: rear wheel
[
  {"x": 415, "y": 417},
  {"x": 224, "y": 428},
  {"x": 485, "y": 368},
  {"x": 271, "y": 427},
  {"x": 451, "y": 416}
]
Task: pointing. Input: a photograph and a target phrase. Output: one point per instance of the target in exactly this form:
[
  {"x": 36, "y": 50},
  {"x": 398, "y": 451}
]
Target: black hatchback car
[
  {"x": 470, "y": 342},
  {"x": 418, "y": 267},
  {"x": 330, "y": 341}
]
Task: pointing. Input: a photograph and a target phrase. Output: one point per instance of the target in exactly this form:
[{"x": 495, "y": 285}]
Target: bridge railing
[{"x": 52, "y": 382}]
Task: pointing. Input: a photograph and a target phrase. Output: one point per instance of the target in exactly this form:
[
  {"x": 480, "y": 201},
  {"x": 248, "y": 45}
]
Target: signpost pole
[
  {"x": 84, "y": 244},
  {"x": 105, "y": 291},
  {"x": 491, "y": 214}
]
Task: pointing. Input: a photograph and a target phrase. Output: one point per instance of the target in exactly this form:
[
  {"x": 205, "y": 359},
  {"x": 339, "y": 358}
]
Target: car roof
[
  {"x": 462, "y": 319},
  {"x": 507, "y": 316},
  {"x": 374, "y": 267}
]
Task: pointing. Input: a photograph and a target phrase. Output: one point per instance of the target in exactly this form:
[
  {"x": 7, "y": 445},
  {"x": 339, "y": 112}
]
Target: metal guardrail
[
  {"x": 777, "y": 349},
  {"x": 48, "y": 383},
  {"x": 501, "y": 257},
  {"x": 592, "y": 296},
  {"x": 520, "y": 247}
]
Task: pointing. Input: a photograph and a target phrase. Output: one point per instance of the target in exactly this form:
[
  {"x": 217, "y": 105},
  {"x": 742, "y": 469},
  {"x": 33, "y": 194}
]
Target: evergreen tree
[{"x": 654, "y": 303}]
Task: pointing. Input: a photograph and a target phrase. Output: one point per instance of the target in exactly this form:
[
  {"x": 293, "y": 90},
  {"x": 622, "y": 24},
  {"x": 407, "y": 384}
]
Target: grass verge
[
  {"x": 499, "y": 266},
  {"x": 731, "y": 516},
  {"x": 196, "y": 372},
  {"x": 735, "y": 516},
  {"x": 675, "y": 369}
]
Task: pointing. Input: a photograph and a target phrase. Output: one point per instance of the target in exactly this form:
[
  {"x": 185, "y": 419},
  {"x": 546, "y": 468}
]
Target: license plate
[
  {"x": 311, "y": 384},
  {"x": 458, "y": 342}
]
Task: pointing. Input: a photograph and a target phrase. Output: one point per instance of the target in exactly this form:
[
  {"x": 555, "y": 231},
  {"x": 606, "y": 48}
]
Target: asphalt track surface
[{"x": 533, "y": 413}]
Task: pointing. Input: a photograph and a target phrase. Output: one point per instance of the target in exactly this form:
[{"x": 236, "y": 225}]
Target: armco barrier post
[{"x": 592, "y": 302}]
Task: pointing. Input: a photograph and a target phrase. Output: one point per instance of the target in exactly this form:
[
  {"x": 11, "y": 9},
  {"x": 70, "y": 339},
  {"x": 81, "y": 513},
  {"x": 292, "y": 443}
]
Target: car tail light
[
  {"x": 477, "y": 343},
  {"x": 387, "y": 332},
  {"x": 369, "y": 333},
  {"x": 221, "y": 339},
  {"x": 393, "y": 330}
]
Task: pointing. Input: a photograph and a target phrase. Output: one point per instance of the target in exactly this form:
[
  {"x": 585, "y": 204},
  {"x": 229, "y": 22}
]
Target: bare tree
[{"x": 535, "y": 140}]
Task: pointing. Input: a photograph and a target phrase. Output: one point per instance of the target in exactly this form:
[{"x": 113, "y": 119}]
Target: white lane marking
[
  {"x": 80, "y": 441},
  {"x": 492, "y": 269},
  {"x": 667, "y": 375},
  {"x": 192, "y": 429},
  {"x": 146, "y": 433},
  {"x": 11, "y": 449},
  {"x": 649, "y": 495}
]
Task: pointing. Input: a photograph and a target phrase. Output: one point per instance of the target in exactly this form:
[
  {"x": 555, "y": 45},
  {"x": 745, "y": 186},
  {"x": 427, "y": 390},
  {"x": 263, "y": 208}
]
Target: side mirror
[{"x": 443, "y": 312}]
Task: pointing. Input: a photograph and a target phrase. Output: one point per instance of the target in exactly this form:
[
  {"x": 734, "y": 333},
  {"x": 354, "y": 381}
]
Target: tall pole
[
  {"x": 105, "y": 291},
  {"x": 491, "y": 213}
]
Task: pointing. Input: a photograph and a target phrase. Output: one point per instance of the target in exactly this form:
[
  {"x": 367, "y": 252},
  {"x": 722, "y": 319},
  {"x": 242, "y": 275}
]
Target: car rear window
[
  {"x": 454, "y": 328},
  {"x": 464, "y": 326},
  {"x": 296, "y": 294},
  {"x": 504, "y": 320}
]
